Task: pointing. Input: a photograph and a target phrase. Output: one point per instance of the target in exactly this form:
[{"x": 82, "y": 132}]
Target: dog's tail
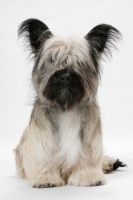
[{"x": 110, "y": 163}]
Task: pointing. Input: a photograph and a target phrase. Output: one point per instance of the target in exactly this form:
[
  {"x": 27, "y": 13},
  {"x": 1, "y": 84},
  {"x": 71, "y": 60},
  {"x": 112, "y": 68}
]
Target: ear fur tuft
[
  {"x": 101, "y": 39},
  {"x": 35, "y": 33}
]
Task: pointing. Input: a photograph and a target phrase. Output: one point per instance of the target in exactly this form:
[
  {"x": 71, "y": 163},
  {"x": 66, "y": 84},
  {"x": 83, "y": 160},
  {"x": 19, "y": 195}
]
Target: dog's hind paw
[
  {"x": 118, "y": 164},
  {"x": 109, "y": 164}
]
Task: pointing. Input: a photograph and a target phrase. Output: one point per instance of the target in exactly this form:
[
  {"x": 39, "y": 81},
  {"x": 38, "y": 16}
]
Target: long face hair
[
  {"x": 66, "y": 72},
  {"x": 65, "y": 75}
]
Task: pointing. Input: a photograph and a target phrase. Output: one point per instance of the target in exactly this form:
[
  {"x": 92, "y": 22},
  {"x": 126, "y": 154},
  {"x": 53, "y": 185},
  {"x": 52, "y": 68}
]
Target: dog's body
[{"x": 63, "y": 141}]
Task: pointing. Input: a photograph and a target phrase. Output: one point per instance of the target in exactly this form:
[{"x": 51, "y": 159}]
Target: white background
[{"x": 115, "y": 94}]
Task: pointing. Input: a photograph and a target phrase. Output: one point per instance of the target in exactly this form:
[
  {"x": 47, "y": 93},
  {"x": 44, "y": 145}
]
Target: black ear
[
  {"x": 35, "y": 32},
  {"x": 101, "y": 39}
]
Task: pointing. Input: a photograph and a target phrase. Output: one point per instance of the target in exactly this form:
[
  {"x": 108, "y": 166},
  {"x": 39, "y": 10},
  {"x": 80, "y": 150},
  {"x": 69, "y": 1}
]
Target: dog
[{"x": 62, "y": 143}]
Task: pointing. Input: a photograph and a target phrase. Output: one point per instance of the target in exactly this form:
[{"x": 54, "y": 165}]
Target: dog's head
[{"x": 66, "y": 72}]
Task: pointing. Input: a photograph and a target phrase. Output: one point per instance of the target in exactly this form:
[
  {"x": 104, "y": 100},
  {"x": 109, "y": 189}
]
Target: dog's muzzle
[{"x": 65, "y": 89}]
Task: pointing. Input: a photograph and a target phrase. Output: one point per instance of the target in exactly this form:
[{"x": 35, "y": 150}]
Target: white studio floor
[{"x": 115, "y": 92}]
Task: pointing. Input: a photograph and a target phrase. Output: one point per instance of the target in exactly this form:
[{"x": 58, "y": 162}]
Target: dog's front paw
[
  {"x": 44, "y": 185},
  {"x": 47, "y": 183},
  {"x": 94, "y": 179}
]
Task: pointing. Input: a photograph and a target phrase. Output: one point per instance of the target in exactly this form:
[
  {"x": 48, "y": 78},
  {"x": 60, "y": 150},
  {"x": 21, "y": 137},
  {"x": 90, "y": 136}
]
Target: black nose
[{"x": 66, "y": 78}]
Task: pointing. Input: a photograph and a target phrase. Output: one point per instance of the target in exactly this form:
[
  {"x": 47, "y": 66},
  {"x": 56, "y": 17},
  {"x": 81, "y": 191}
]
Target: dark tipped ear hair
[
  {"x": 101, "y": 39},
  {"x": 35, "y": 32}
]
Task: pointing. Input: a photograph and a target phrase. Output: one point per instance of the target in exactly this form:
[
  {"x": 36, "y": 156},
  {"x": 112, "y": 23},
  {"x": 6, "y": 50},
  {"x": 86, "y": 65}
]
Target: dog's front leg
[
  {"x": 88, "y": 171},
  {"x": 37, "y": 152}
]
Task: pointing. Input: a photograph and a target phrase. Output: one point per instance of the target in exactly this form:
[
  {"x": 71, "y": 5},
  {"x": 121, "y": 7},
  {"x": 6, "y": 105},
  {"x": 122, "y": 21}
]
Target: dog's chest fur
[{"x": 69, "y": 133}]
